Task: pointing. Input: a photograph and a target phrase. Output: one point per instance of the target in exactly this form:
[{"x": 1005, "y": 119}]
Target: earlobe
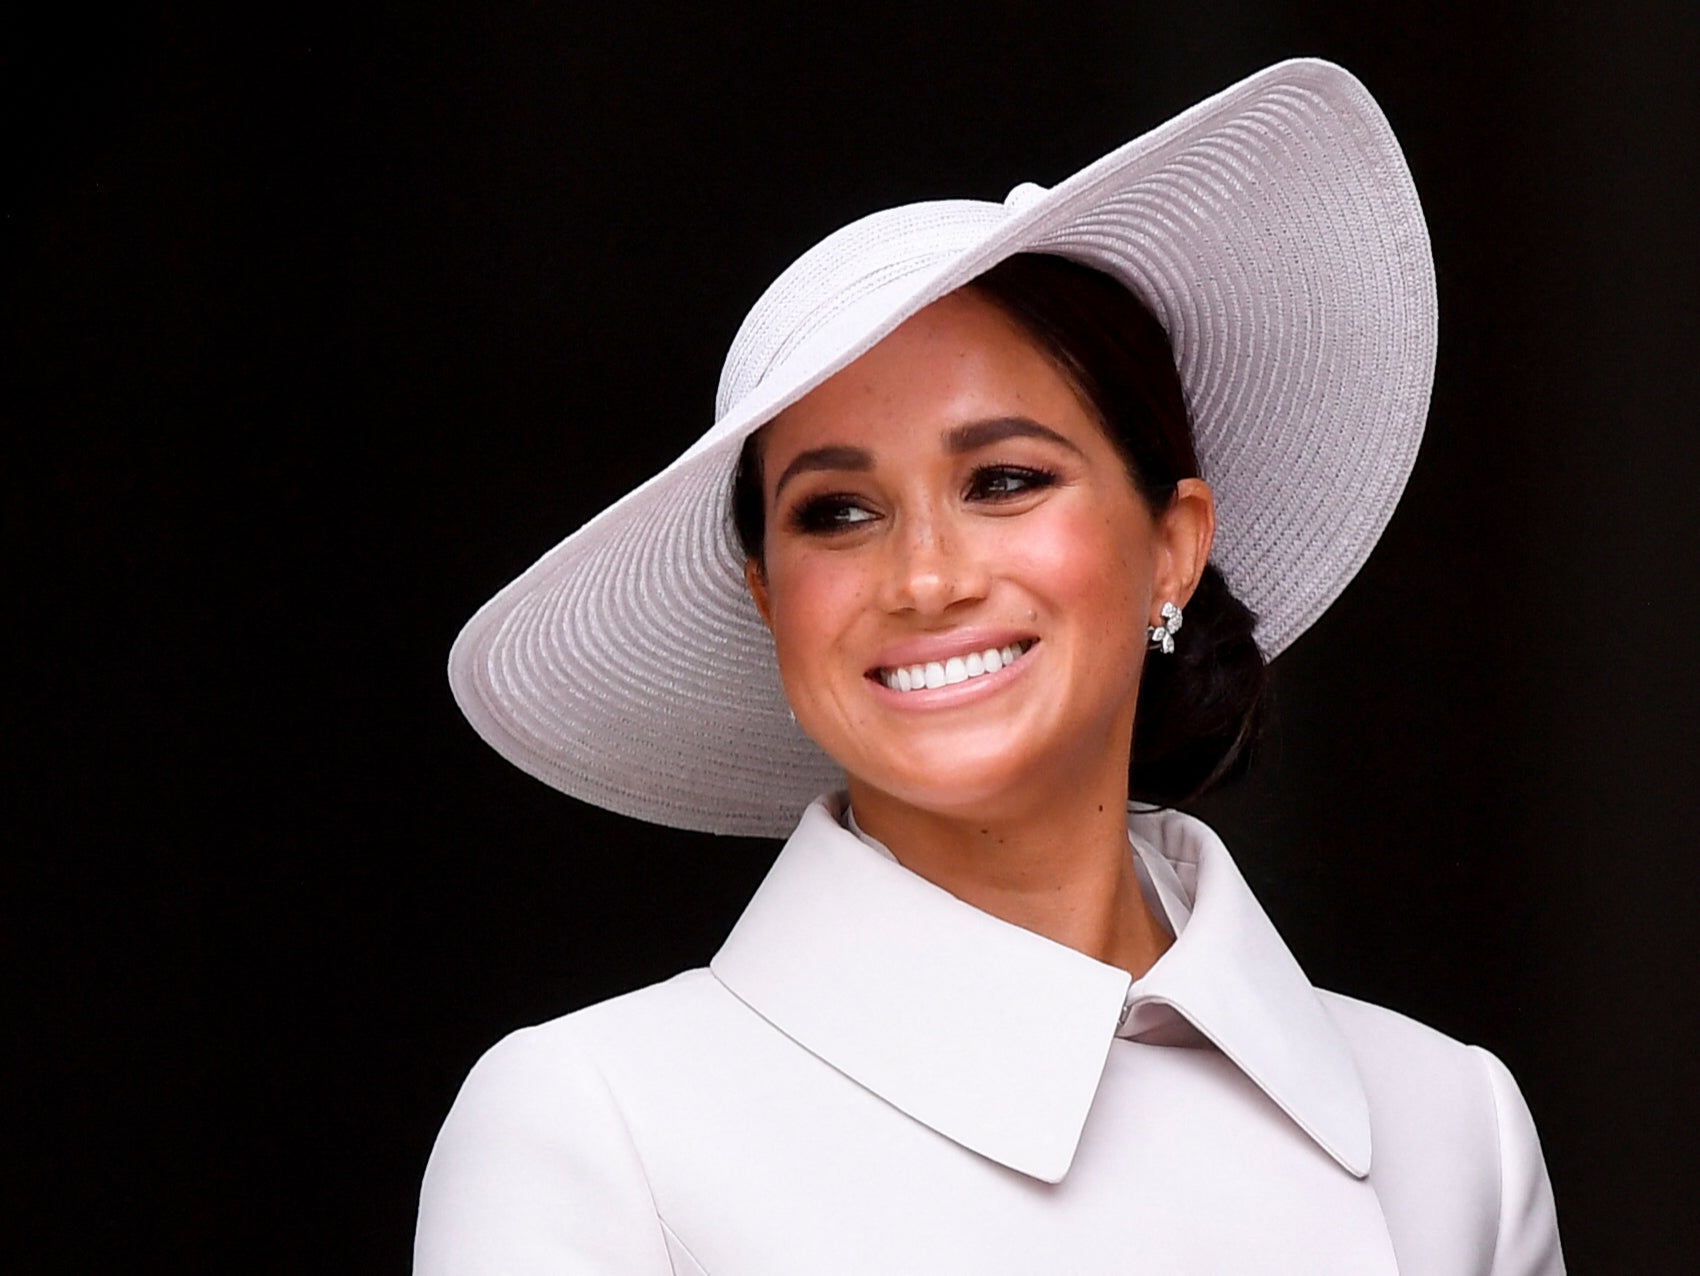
[{"x": 756, "y": 580}]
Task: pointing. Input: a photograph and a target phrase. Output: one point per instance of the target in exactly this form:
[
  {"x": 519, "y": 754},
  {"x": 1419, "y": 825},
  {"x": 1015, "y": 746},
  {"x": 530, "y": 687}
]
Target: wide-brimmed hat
[{"x": 1273, "y": 229}]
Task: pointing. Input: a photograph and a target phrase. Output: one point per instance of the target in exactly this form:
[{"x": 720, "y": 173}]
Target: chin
[{"x": 955, "y": 786}]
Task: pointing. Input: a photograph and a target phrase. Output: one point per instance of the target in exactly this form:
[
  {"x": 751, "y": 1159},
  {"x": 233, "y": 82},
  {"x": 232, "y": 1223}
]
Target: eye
[
  {"x": 1002, "y": 482},
  {"x": 834, "y": 512}
]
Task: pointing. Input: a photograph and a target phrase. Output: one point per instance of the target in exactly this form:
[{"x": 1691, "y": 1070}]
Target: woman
[{"x": 984, "y": 1015}]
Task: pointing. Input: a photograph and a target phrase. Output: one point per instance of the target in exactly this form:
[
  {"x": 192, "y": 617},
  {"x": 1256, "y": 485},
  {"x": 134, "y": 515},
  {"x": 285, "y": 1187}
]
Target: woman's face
[{"x": 958, "y": 569}]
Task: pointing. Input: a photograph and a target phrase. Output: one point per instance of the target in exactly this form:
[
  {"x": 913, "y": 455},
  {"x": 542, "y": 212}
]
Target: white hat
[{"x": 1275, "y": 232}]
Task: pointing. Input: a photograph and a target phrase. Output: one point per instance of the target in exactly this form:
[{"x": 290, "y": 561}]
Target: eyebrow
[
  {"x": 979, "y": 434},
  {"x": 962, "y": 438},
  {"x": 825, "y": 458}
]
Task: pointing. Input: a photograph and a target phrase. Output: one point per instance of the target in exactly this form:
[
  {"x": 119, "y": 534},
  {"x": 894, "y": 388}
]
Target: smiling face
[{"x": 958, "y": 570}]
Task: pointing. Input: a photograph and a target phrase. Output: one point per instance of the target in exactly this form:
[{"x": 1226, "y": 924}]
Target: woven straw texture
[{"x": 1274, "y": 230}]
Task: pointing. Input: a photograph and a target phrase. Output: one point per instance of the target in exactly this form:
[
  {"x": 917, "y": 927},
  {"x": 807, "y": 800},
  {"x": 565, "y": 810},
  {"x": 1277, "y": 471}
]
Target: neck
[{"x": 1064, "y": 870}]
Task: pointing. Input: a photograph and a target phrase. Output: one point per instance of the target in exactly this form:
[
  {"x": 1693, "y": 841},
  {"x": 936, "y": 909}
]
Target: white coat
[{"x": 873, "y": 1077}]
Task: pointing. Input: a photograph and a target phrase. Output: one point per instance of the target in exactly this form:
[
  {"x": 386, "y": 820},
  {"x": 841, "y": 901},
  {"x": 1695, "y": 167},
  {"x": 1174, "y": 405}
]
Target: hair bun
[{"x": 1201, "y": 707}]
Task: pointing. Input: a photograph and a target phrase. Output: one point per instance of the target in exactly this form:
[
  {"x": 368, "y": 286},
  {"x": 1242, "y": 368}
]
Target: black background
[{"x": 327, "y": 323}]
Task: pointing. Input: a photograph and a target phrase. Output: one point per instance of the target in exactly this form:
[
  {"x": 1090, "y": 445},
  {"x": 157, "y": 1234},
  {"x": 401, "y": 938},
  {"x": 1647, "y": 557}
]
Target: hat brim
[{"x": 1274, "y": 230}]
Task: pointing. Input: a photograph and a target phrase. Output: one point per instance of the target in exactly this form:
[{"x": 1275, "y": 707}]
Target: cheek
[
  {"x": 1089, "y": 566},
  {"x": 814, "y": 598}
]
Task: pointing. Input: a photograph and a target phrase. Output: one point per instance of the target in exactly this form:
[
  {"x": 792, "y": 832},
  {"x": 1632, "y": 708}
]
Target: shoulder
[
  {"x": 1409, "y": 1067},
  {"x": 1426, "y": 1091},
  {"x": 621, "y": 1041},
  {"x": 630, "y": 1018},
  {"x": 1453, "y": 1141},
  {"x": 1391, "y": 1045},
  {"x": 554, "y": 1074},
  {"x": 535, "y": 1168}
]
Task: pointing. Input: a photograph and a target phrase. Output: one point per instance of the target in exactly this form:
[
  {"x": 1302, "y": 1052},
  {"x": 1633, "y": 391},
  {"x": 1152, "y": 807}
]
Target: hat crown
[{"x": 860, "y": 269}]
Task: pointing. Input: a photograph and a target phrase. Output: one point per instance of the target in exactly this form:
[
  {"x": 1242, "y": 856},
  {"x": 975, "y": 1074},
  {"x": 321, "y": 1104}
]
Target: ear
[
  {"x": 756, "y": 580},
  {"x": 1185, "y": 532}
]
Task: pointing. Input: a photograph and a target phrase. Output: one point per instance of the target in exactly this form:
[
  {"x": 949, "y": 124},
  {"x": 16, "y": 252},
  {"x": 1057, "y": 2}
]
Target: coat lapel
[
  {"x": 1233, "y": 978},
  {"x": 995, "y": 1037},
  {"x": 989, "y": 1034}
]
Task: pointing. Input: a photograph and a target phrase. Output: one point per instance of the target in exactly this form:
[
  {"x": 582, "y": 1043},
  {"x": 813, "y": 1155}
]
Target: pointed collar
[{"x": 996, "y": 1037}]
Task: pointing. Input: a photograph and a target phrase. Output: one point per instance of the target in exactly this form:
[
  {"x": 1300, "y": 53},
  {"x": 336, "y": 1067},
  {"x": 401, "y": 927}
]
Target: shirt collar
[{"x": 996, "y": 1037}]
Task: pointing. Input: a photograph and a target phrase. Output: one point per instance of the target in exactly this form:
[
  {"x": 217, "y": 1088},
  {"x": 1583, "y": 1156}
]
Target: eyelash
[
  {"x": 826, "y": 514},
  {"x": 1029, "y": 477}
]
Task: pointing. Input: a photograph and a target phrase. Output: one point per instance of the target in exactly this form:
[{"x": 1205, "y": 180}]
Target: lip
[{"x": 951, "y": 694}]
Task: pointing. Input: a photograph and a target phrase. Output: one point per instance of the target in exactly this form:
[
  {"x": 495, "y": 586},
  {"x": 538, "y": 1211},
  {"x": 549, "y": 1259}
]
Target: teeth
[{"x": 957, "y": 669}]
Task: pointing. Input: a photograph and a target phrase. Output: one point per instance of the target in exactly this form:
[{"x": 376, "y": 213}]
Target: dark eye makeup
[
  {"x": 1002, "y": 482},
  {"x": 832, "y": 512},
  {"x": 829, "y": 512}
]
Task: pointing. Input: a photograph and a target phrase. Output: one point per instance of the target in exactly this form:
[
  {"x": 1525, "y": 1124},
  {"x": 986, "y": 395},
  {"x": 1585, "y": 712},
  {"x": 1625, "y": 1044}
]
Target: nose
[{"x": 934, "y": 565}]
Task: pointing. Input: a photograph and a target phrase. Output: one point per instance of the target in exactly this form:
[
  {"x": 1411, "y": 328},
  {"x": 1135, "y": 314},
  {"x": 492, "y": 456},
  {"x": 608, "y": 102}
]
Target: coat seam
[
  {"x": 679, "y": 1241},
  {"x": 637, "y": 1153}
]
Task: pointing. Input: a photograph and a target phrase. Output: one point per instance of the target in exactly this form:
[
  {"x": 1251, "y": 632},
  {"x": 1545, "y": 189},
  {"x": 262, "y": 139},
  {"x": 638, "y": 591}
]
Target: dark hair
[{"x": 1200, "y": 709}]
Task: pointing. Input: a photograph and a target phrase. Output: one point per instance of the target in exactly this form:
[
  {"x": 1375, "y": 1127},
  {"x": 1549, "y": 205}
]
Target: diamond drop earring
[{"x": 1162, "y": 637}]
